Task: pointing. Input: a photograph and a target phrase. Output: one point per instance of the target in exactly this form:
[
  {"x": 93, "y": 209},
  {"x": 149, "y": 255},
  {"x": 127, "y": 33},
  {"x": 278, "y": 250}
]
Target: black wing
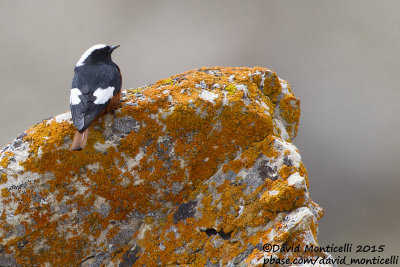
[{"x": 93, "y": 86}]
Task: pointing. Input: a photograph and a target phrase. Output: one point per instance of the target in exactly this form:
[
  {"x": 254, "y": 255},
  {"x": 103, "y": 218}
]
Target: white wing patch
[
  {"x": 88, "y": 52},
  {"x": 103, "y": 95},
  {"x": 74, "y": 97}
]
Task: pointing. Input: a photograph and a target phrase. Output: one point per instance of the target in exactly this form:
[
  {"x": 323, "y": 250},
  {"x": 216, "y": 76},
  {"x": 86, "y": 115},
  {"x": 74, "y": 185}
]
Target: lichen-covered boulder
[{"x": 197, "y": 169}]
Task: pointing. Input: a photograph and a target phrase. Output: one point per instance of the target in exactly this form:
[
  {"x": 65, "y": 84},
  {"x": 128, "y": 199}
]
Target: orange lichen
[
  {"x": 6, "y": 160},
  {"x": 182, "y": 141},
  {"x": 272, "y": 86},
  {"x": 5, "y": 193},
  {"x": 290, "y": 107},
  {"x": 303, "y": 172},
  {"x": 290, "y": 111},
  {"x": 3, "y": 178},
  {"x": 285, "y": 199},
  {"x": 285, "y": 171}
]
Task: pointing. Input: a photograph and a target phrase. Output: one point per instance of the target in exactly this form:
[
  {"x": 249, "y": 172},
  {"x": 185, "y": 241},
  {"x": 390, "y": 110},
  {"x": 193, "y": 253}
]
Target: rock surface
[{"x": 197, "y": 169}]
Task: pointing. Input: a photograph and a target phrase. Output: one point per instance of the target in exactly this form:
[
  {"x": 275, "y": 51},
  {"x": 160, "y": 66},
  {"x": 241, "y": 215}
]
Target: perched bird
[{"x": 96, "y": 89}]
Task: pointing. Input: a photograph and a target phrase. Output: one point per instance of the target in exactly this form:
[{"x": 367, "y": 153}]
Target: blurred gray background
[{"x": 341, "y": 57}]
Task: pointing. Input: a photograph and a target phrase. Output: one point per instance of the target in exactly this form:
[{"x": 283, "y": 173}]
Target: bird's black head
[{"x": 97, "y": 53}]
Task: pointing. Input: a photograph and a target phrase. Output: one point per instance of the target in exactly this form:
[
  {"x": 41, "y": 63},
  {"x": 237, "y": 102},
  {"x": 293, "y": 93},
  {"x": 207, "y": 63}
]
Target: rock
[{"x": 195, "y": 169}]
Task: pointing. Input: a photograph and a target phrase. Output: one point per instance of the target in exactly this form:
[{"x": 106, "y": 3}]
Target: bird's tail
[{"x": 80, "y": 139}]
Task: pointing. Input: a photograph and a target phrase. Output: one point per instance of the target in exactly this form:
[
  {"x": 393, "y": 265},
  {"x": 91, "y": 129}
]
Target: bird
[{"x": 95, "y": 90}]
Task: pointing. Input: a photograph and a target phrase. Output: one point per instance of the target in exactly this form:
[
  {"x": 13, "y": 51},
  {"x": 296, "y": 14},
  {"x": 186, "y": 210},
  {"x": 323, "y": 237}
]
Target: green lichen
[{"x": 230, "y": 88}]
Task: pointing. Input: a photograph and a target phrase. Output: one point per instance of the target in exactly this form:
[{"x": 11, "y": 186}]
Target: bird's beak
[{"x": 112, "y": 48}]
